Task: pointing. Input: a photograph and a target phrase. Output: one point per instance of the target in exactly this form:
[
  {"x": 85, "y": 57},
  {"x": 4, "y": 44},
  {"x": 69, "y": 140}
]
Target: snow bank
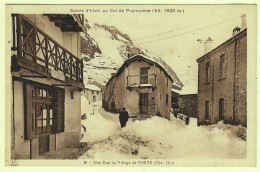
[
  {"x": 97, "y": 127},
  {"x": 159, "y": 138},
  {"x": 182, "y": 141}
]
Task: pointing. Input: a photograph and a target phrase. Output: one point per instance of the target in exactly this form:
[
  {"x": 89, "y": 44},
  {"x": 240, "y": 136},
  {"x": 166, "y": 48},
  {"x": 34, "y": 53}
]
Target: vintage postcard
[{"x": 130, "y": 85}]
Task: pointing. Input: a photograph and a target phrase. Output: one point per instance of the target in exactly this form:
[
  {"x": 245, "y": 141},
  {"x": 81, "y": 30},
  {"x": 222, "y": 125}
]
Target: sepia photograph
[{"x": 158, "y": 85}]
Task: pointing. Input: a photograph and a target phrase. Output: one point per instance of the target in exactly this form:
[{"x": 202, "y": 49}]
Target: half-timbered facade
[{"x": 47, "y": 78}]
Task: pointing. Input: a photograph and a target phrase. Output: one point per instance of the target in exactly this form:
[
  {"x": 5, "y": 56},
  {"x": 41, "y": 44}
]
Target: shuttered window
[{"x": 44, "y": 112}]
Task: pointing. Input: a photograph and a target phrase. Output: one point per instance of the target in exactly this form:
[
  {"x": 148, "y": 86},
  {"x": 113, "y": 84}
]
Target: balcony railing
[
  {"x": 37, "y": 51},
  {"x": 145, "y": 80}
]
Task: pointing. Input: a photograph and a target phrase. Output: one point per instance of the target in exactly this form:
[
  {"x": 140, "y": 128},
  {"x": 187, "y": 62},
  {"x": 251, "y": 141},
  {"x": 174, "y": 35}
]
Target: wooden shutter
[
  {"x": 60, "y": 124},
  {"x": 29, "y": 111},
  {"x": 58, "y": 108}
]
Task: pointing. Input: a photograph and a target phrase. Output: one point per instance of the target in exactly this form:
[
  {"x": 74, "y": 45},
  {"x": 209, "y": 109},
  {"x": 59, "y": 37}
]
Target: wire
[
  {"x": 189, "y": 31},
  {"x": 173, "y": 30}
]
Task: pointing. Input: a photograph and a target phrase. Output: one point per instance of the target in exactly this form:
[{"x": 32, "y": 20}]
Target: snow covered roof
[
  {"x": 177, "y": 84},
  {"x": 167, "y": 68},
  {"x": 92, "y": 87}
]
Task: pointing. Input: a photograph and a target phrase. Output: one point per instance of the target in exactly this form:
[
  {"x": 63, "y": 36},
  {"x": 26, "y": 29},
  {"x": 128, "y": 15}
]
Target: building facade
[
  {"x": 142, "y": 86},
  {"x": 47, "y": 78},
  {"x": 222, "y": 82},
  {"x": 93, "y": 93}
]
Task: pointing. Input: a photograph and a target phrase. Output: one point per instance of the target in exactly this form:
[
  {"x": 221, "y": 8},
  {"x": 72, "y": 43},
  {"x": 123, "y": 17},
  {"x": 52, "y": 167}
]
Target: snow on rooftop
[
  {"x": 166, "y": 67},
  {"x": 92, "y": 87}
]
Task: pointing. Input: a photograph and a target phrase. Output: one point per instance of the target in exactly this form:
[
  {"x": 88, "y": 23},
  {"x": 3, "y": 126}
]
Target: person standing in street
[{"x": 123, "y": 117}]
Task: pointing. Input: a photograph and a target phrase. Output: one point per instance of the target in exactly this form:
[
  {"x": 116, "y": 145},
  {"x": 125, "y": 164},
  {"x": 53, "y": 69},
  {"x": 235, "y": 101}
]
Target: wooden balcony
[
  {"x": 141, "y": 81},
  {"x": 36, "y": 51}
]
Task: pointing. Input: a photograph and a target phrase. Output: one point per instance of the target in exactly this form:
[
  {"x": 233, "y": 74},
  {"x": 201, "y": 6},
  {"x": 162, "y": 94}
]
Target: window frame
[{"x": 44, "y": 117}]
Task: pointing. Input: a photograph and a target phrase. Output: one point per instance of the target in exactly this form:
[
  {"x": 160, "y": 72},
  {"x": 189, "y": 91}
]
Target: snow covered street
[{"x": 157, "y": 138}]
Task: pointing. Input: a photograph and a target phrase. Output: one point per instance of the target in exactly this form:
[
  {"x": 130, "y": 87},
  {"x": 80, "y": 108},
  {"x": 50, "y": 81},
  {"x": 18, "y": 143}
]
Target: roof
[
  {"x": 156, "y": 60},
  {"x": 241, "y": 33},
  {"x": 92, "y": 87}
]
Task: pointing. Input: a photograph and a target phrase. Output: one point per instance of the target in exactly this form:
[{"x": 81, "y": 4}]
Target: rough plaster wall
[
  {"x": 205, "y": 91},
  {"x": 60, "y": 140},
  {"x": 22, "y": 147},
  {"x": 70, "y": 40},
  {"x": 134, "y": 69},
  {"x": 162, "y": 90},
  {"x": 108, "y": 95},
  {"x": 224, "y": 88},
  {"x": 241, "y": 92},
  {"x": 119, "y": 91},
  {"x": 72, "y": 117}
]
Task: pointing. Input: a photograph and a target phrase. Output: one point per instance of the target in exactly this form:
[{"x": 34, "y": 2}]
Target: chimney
[
  {"x": 208, "y": 45},
  {"x": 236, "y": 30},
  {"x": 243, "y": 21}
]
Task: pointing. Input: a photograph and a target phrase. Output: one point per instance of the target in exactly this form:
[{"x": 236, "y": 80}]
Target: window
[
  {"x": 207, "y": 110},
  {"x": 144, "y": 75},
  {"x": 222, "y": 66},
  {"x": 92, "y": 92},
  {"x": 44, "y": 112},
  {"x": 221, "y": 109},
  {"x": 167, "y": 99},
  {"x": 94, "y": 98},
  {"x": 97, "y": 92},
  {"x": 207, "y": 72}
]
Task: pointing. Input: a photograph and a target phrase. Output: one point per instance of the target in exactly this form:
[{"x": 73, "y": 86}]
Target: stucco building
[
  {"x": 93, "y": 93},
  {"x": 222, "y": 82},
  {"x": 47, "y": 78},
  {"x": 143, "y": 86}
]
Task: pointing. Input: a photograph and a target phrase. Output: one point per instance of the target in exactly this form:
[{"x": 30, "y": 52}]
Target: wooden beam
[
  {"x": 64, "y": 85},
  {"x": 33, "y": 76}
]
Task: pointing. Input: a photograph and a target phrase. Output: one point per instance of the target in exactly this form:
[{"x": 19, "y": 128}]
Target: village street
[{"x": 157, "y": 137}]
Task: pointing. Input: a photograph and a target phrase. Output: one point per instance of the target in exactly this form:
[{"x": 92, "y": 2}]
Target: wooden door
[
  {"x": 221, "y": 109},
  {"x": 143, "y": 75},
  {"x": 44, "y": 144},
  {"x": 143, "y": 103}
]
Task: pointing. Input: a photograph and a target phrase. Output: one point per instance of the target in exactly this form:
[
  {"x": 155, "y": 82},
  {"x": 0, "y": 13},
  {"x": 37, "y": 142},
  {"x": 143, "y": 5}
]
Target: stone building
[
  {"x": 188, "y": 104},
  {"x": 222, "y": 80},
  {"x": 143, "y": 86},
  {"x": 47, "y": 78}
]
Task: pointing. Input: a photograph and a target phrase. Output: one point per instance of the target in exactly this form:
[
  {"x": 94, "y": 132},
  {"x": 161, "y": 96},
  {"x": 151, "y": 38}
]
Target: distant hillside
[{"x": 104, "y": 49}]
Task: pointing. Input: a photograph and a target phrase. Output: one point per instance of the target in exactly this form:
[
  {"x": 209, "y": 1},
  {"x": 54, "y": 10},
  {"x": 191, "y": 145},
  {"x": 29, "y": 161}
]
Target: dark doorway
[
  {"x": 207, "y": 110},
  {"x": 221, "y": 109},
  {"x": 144, "y": 75},
  {"x": 143, "y": 103},
  {"x": 44, "y": 144}
]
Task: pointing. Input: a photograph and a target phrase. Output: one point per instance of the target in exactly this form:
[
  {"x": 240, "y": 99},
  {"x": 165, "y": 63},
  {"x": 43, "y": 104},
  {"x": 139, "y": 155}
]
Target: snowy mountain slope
[{"x": 105, "y": 48}]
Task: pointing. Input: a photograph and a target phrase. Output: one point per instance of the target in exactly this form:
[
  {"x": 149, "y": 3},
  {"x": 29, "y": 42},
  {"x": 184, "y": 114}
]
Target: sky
[{"x": 178, "y": 43}]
